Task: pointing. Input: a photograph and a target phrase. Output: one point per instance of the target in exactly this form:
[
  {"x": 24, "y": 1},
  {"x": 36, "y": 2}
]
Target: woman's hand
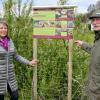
[
  {"x": 33, "y": 62},
  {"x": 78, "y": 43}
]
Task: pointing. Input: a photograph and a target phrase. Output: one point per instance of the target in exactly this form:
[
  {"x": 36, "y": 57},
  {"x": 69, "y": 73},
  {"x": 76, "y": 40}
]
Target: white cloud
[
  {"x": 45, "y": 2},
  {"x": 82, "y": 5}
]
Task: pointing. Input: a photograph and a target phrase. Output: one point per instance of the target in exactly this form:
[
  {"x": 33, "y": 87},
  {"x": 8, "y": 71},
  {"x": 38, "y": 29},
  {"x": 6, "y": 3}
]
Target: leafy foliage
[
  {"x": 62, "y": 2},
  {"x": 52, "y": 56}
]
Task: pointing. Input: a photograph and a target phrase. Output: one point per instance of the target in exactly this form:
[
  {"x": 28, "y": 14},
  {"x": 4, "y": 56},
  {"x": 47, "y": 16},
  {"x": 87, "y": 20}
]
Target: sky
[{"x": 82, "y": 5}]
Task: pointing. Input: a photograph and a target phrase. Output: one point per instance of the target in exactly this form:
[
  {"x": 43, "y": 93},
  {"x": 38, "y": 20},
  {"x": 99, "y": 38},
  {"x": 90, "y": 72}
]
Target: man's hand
[{"x": 78, "y": 43}]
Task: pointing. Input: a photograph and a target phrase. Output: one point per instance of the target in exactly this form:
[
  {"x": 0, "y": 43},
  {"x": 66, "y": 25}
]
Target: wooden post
[
  {"x": 34, "y": 82},
  {"x": 70, "y": 70}
]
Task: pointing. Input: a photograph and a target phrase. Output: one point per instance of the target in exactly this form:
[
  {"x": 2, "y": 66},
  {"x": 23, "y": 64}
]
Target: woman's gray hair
[{"x": 3, "y": 21}]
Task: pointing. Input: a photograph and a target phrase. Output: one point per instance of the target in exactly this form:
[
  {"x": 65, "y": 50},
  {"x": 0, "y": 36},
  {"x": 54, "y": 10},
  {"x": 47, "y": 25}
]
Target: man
[{"x": 93, "y": 84}]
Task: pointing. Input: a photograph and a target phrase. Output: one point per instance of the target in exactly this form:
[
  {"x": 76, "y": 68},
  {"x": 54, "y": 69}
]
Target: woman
[
  {"x": 93, "y": 84},
  {"x": 7, "y": 54}
]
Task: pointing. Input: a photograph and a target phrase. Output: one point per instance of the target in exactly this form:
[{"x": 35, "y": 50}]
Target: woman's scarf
[{"x": 4, "y": 42}]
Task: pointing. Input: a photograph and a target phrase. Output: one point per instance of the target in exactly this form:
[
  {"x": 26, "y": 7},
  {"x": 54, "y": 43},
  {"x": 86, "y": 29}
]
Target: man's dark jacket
[{"x": 93, "y": 84}]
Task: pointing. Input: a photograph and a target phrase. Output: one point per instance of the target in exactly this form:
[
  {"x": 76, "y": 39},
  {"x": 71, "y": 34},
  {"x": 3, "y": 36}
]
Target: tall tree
[
  {"x": 62, "y": 2},
  {"x": 91, "y": 8},
  {"x": 98, "y": 4}
]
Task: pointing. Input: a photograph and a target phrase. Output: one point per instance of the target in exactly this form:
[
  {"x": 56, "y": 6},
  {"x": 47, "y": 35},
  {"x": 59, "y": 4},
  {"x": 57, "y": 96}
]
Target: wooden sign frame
[{"x": 68, "y": 37}]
